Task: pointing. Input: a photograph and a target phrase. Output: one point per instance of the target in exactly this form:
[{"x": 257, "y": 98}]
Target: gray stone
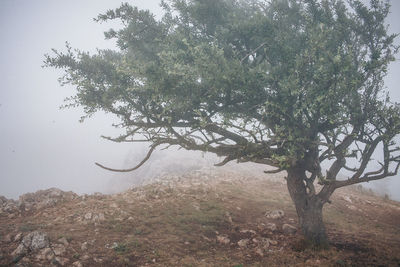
[
  {"x": 35, "y": 241},
  {"x": 271, "y": 226},
  {"x": 3, "y": 200},
  {"x": 61, "y": 261},
  {"x": 265, "y": 242},
  {"x": 59, "y": 249},
  {"x": 64, "y": 241},
  {"x": 21, "y": 250},
  {"x": 98, "y": 260},
  {"x": 10, "y": 206},
  {"x": 88, "y": 216},
  {"x": 223, "y": 240},
  {"x": 18, "y": 237},
  {"x": 243, "y": 243},
  {"x": 85, "y": 257},
  {"x": 102, "y": 217},
  {"x": 275, "y": 214},
  {"x": 45, "y": 254},
  {"x": 44, "y": 198},
  {"x": 84, "y": 246},
  {"x": 289, "y": 229},
  {"x": 259, "y": 252},
  {"x": 252, "y": 232},
  {"x": 272, "y": 242},
  {"x": 348, "y": 199}
]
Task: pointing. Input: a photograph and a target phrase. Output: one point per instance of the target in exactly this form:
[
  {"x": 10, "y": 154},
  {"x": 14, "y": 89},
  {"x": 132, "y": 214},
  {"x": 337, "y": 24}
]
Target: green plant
[{"x": 121, "y": 248}]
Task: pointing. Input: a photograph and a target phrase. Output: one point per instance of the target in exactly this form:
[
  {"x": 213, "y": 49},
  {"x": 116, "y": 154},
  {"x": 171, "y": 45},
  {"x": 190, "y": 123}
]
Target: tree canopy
[{"x": 286, "y": 83}]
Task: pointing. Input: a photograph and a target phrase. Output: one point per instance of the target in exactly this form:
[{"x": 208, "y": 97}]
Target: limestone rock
[
  {"x": 44, "y": 198},
  {"x": 32, "y": 242},
  {"x": 275, "y": 214},
  {"x": 63, "y": 240},
  {"x": 289, "y": 229},
  {"x": 228, "y": 215},
  {"x": 264, "y": 243},
  {"x": 352, "y": 207},
  {"x": 35, "y": 241},
  {"x": 61, "y": 261},
  {"x": 10, "y": 206},
  {"x": 102, "y": 217},
  {"x": 272, "y": 242},
  {"x": 3, "y": 200},
  {"x": 88, "y": 216},
  {"x": 85, "y": 257},
  {"x": 45, "y": 254},
  {"x": 271, "y": 226},
  {"x": 18, "y": 237},
  {"x": 98, "y": 260},
  {"x": 84, "y": 246},
  {"x": 223, "y": 240},
  {"x": 59, "y": 249},
  {"x": 243, "y": 243},
  {"x": 348, "y": 199},
  {"x": 20, "y": 251},
  {"x": 251, "y": 232},
  {"x": 259, "y": 252}
]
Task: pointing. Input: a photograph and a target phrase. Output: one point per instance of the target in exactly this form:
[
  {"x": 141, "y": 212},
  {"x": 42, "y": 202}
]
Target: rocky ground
[{"x": 201, "y": 218}]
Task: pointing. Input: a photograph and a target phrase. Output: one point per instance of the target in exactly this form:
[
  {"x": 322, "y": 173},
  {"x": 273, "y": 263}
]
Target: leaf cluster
[{"x": 283, "y": 82}]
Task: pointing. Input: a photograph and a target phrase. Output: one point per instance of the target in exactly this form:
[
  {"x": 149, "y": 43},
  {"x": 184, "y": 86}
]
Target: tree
[{"x": 287, "y": 83}]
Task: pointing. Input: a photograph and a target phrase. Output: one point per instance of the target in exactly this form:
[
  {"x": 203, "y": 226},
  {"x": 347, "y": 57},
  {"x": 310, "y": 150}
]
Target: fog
[{"x": 42, "y": 146}]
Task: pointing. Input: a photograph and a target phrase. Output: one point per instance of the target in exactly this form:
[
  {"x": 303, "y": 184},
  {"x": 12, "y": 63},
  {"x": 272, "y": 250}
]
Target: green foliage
[
  {"x": 286, "y": 83},
  {"x": 121, "y": 248}
]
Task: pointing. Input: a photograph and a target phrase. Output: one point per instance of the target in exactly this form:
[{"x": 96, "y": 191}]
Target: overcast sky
[{"x": 42, "y": 146}]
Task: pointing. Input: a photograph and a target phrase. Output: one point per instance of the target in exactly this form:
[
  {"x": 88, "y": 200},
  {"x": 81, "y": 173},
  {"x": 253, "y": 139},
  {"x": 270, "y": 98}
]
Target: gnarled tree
[{"x": 286, "y": 83}]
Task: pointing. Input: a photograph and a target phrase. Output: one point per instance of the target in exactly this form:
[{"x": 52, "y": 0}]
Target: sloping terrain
[{"x": 201, "y": 218}]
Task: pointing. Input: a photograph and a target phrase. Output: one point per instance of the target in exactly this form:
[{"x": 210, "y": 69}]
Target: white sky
[{"x": 42, "y": 146}]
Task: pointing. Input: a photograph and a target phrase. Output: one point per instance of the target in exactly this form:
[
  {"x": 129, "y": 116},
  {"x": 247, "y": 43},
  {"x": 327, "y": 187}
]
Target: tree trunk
[{"x": 309, "y": 208}]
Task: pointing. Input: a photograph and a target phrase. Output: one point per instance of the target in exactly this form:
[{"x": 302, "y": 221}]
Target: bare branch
[
  {"x": 225, "y": 161},
  {"x": 134, "y": 168},
  {"x": 350, "y": 169}
]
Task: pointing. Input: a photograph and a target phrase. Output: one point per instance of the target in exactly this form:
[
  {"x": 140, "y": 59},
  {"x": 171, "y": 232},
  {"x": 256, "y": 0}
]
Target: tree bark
[{"x": 308, "y": 207}]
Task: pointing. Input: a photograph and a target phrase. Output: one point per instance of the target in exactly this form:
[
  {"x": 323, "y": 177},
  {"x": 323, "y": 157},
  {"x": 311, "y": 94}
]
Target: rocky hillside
[{"x": 201, "y": 218}]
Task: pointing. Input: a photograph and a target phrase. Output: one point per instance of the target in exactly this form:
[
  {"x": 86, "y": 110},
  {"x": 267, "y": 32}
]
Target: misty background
[{"x": 42, "y": 146}]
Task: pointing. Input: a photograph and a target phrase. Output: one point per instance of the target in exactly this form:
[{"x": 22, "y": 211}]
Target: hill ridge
[{"x": 206, "y": 217}]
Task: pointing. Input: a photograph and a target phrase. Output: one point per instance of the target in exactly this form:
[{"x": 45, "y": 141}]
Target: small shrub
[{"x": 121, "y": 248}]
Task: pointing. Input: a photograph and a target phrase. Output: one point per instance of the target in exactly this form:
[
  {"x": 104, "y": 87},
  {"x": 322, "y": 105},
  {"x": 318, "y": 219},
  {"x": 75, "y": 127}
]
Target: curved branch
[
  {"x": 225, "y": 161},
  {"x": 134, "y": 168}
]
